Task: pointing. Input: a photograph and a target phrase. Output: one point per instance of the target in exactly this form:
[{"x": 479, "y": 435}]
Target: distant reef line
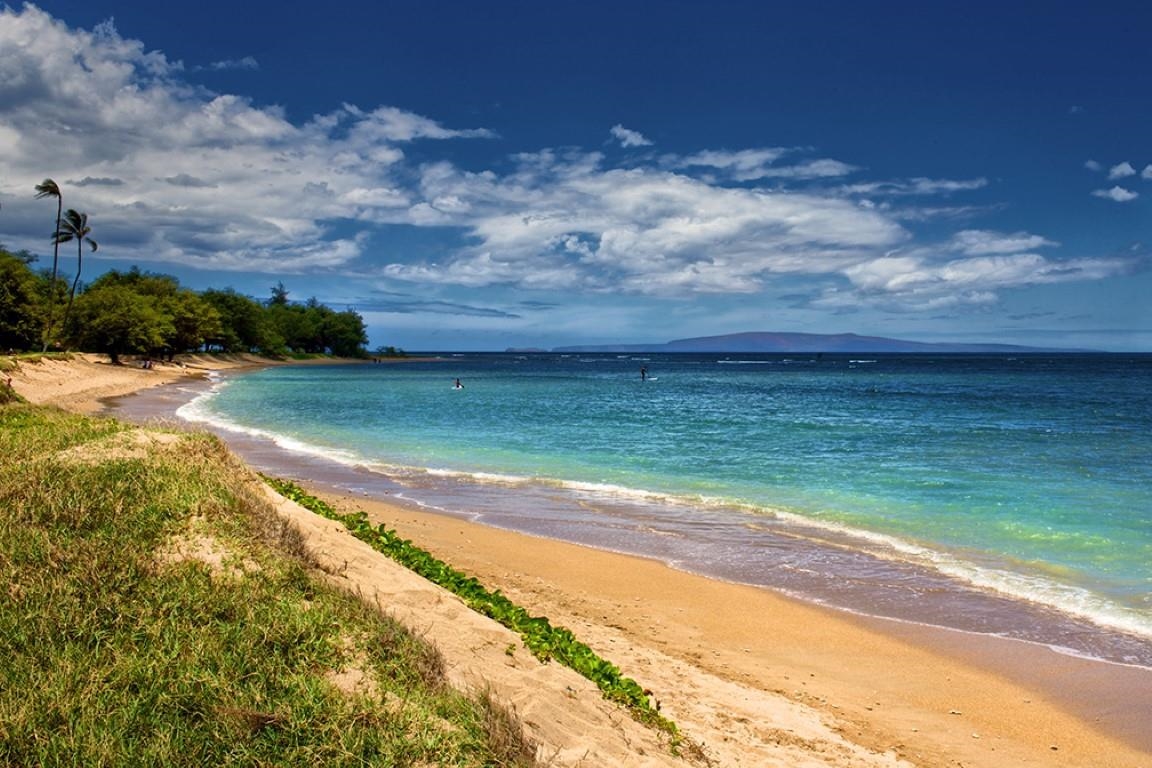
[{"x": 769, "y": 342}]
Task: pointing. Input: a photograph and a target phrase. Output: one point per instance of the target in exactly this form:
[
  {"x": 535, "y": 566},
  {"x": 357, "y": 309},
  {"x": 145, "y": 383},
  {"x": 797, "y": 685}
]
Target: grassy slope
[{"x": 118, "y": 652}]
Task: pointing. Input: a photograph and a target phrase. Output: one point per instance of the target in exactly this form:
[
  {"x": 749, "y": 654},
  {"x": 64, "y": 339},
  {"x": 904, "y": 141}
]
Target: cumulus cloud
[
  {"x": 972, "y": 268},
  {"x": 172, "y": 172},
  {"x": 566, "y": 221},
  {"x": 1116, "y": 194},
  {"x": 1147, "y": 172},
  {"x": 123, "y": 121},
  {"x": 1121, "y": 171},
  {"x": 629, "y": 138},
  {"x": 923, "y": 280}
]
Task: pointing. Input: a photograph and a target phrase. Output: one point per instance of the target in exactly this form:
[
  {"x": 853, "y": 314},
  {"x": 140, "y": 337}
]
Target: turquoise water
[{"x": 1015, "y": 491}]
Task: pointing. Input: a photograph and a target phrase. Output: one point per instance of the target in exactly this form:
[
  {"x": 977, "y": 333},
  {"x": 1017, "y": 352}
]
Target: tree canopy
[{"x": 144, "y": 313}]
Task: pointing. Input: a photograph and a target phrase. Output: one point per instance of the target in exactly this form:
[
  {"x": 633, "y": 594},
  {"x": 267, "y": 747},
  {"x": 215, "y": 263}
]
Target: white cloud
[
  {"x": 1117, "y": 194},
  {"x": 974, "y": 242},
  {"x": 629, "y": 138},
  {"x": 1092, "y": 165},
  {"x": 246, "y": 63},
  {"x": 1121, "y": 171},
  {"x": 392, "y": 124},
  {"x": 639, "y": 230},
  {"x": 212, "y": 170},
  {"x": 753, "y": 164},
  {"x": 812, "y": 169},
  {"x": 175, "y": 173},
  {"x": 920, "y": 281},
  {"x": 915, "y": 186},
  {"x": 741, "y": 165},
  {"x": 1147, "y": 172}
]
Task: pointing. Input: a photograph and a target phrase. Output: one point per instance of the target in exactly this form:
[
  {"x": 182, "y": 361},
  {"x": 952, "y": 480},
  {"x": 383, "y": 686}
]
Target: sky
[{"x": 514, "y": 173}]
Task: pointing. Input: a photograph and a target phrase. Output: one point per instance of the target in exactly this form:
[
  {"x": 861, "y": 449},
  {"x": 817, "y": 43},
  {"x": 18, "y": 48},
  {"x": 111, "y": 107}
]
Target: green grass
[
  {"x": 11, "y": 362},
  {"x": 117, "y": 652}
]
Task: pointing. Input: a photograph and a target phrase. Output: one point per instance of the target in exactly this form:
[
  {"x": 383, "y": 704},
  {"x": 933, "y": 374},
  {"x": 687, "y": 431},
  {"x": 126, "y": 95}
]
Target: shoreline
[
  {"x": 930, "y": 696},
  {"x": 897, "y": 681},
  {"x": 85, "y": 382}
]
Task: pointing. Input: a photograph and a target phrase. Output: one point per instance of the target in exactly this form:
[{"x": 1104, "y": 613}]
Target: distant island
[{"x": 769, "y": 342}]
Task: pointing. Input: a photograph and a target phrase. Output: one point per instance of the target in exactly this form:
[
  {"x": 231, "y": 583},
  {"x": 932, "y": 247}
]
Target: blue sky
[{"x": 533, "y": 174}]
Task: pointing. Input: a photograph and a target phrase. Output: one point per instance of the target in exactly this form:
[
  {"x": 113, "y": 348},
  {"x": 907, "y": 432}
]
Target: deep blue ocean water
[{"x": 1010, "y": 495}]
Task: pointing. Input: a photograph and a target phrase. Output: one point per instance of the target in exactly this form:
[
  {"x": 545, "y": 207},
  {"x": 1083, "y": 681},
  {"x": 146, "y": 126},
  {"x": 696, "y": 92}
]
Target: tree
[
  {"x": 279, "y": 296},
  {"x": 314, "y": 328},
  {"x": 295, "y": 325},
  {"x": 345, "y": 334},
  {"x": 21, "y": 305},
  {"x": 244, "y": 323},
  {"x": 194, "y": 322},
  {"x": 146, "y": 283},
  {"x": 116, "y": 320},
  {"x": 49, "y": 188},
  {"x": 75, "y": 227}
]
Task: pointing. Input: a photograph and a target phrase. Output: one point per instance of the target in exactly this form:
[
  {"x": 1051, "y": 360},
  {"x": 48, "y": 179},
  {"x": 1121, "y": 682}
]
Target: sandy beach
[
  {"x": 754, "y": 677},
  {"x": 83, "y": 382}
]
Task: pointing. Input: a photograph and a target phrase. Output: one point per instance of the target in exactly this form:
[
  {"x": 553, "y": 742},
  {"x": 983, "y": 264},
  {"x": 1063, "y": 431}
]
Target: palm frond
[{"x": 47, "y": 188}]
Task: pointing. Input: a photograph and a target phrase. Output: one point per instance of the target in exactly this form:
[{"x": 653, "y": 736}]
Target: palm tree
[
  {"x": 49, "y": 188},
  {"x": 75, "y": 227}
]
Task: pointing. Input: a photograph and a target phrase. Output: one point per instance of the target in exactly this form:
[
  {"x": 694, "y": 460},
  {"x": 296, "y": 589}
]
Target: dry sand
[
  {"x": 723, "y": 659},
  {"x": 83, "y": 382},
  {"x": 756, "y": 678}
]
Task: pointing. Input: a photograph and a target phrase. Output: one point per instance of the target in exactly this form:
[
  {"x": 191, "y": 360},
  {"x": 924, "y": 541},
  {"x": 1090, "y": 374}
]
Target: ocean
[{"x": 996, "y": 494}]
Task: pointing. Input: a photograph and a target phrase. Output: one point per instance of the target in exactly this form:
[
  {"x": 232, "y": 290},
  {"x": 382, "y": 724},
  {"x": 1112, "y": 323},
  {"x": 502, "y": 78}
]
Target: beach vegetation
[
  {"x": 543, "y": 639},
  {"x": 157, "y": 611}
]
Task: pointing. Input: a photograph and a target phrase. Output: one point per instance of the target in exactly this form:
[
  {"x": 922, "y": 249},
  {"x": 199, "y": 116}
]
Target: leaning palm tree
[
  {"x": 75, "y": 227},
  {"x": 49, "y": 188}
]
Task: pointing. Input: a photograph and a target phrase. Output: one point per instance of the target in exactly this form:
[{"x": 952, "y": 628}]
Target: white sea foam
[
  {"x": 199, "y": 410},
  {"x": 1069, "y": 599}
]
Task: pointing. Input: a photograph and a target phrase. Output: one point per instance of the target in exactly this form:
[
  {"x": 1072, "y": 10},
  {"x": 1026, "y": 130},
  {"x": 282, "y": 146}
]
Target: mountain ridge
[{"x": 776, "y": 341}]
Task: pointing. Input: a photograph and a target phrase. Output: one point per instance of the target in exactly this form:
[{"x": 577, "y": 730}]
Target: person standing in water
[
  {"x": 458, "y": 385},
  {"x": 643, "y": 373}
]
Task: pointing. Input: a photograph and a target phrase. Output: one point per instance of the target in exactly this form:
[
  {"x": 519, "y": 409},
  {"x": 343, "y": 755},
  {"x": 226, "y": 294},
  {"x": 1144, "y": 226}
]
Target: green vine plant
[{"x": 544, "y": 640}]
